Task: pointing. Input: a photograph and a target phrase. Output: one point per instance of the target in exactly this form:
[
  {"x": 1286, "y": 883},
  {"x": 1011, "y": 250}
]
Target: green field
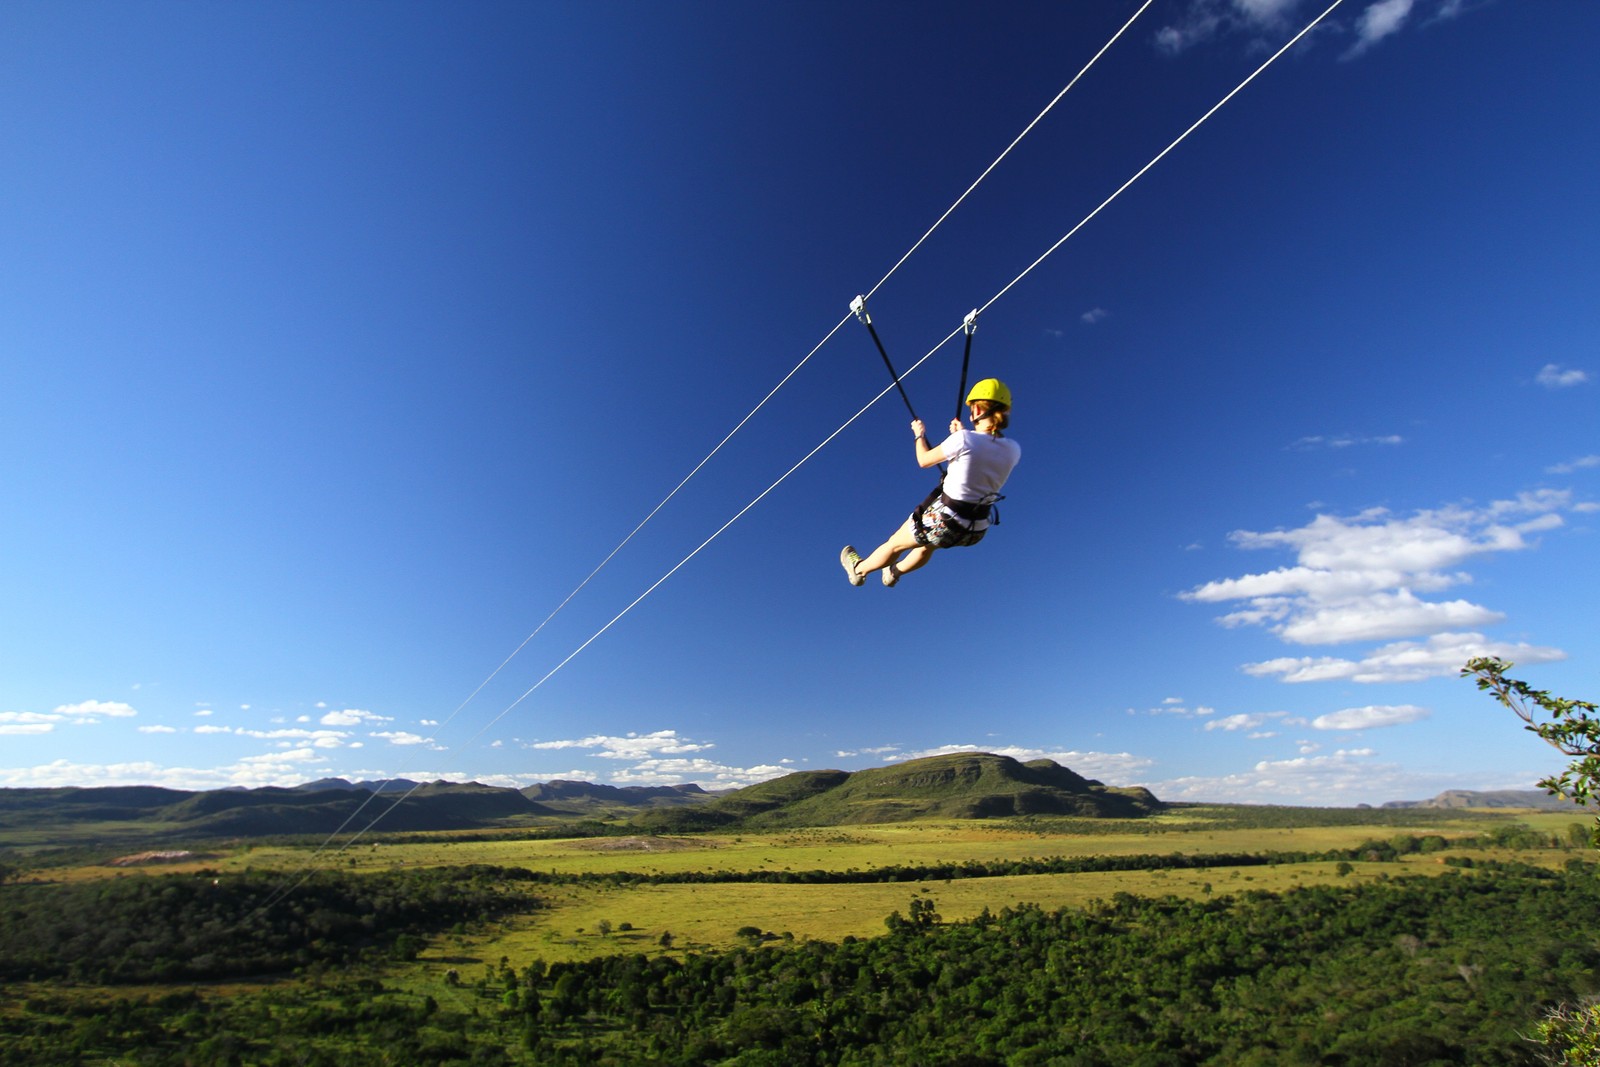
[
  {"x": 707, "y": 916},
  {"x": 509, "y": 947}
]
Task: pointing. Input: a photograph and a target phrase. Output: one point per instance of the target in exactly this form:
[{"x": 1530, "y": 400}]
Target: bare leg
[
  {"x": 902, "y": 540},
  {"x": 914, "y": 559}
]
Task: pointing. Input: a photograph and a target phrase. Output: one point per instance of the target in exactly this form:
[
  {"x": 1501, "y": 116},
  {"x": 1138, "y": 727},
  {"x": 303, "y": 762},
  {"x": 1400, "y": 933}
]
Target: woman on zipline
[{"x": 957, "y": 512}]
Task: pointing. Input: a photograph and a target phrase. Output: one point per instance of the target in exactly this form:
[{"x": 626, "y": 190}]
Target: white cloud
[
  {"x": 1265, "y": 12},
  {"x": 1274, "y": 588},
  {"x": 881, "y": 750},
  {"x": 1581, "y": 463},
  {"x": 1206, "y": 19},
  {"x": 1378, "y": 21},
  {"x": 249, "y": 775},
  {"x": 1265, "y": 22},
  {"x": 1247, "y": 721},
  {"x": 157, "y": 729},
  {"x": 283, "y": 760},
  {"x": 1371, "y": 717},
  {"x": 203, "y": 712},
  {"x": 207, "y": 728},
  {"x": 1404, "y": 661},
  {"x": 1382, "y": 616},
  {"x": 1423, "y": 543},
  {"x": 1176, "y": 706},
  {"x": 1198, "y": 26},
  {"x": 631, "y": 746},
  {"x": 1094, "y": 315},
  {"x": 318, "y": 738},
  {"x": 706, "y": 773},
  {"x": 28, "y": 717},
  {"x": 352, "y": 717},
  {"x": 1357, "y": 578},
  {"x": 1307, "y": 444},
  {"x": 1555, "y": 376},
  {"x": 86, "y": 713},
  {"x": 91, "y": 710},
  {"x": 402, "y": 737},
  {"x": 1343, "y": 778}
]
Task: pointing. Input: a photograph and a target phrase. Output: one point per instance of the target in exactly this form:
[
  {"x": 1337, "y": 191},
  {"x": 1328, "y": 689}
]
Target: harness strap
[{"x": 968, "y": 510}]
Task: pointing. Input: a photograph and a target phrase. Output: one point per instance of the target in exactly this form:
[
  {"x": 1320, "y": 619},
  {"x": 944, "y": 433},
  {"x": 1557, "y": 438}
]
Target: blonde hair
[{"x": 983, "y": 409}]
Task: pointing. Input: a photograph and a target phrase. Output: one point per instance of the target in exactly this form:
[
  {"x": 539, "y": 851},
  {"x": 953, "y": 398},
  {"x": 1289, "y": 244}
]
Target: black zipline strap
[
  {"x": 859, "y": 306},
  {"x": 970, "y": 324}
]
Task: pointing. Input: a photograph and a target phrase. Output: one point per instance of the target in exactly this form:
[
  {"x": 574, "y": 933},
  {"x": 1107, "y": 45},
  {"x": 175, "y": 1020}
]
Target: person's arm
[{"x": 927, "y": 455}]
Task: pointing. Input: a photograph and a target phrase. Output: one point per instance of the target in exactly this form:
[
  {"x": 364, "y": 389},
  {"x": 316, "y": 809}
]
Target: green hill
[
  {"x": 962, "y": 785},
  {"x": 167, "y": 813},
  {"x": 29, "y": 807}
]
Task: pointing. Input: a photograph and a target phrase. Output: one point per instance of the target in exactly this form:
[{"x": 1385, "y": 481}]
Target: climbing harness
[{"x": 940, "y": 516}]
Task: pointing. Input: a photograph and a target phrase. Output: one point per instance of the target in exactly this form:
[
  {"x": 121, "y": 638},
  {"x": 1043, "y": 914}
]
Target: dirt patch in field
[
  {"x": 142, "y": 859},
  {"x": 639, "y": 844}
]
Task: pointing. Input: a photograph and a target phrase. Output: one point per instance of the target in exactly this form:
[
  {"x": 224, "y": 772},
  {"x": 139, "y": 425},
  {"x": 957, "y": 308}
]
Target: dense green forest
[
  {"x": 1426, "y": 970},
  {"x": 1446, "y": 969},
  {"x": 188, "y": 927}
]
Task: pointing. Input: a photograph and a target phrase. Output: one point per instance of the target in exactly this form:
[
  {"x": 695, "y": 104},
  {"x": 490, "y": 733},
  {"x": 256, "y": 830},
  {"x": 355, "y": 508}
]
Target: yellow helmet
[{"x": 992, "y": 389}]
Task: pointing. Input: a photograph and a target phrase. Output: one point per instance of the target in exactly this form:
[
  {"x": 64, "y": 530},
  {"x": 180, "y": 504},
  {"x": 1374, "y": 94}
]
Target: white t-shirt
[{"x": 980, "y": 463}]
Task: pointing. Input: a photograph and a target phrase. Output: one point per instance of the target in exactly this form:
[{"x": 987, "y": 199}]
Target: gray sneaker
[
  {"x": 848, "y": 560},
  {"x": 891, "y": 575}
]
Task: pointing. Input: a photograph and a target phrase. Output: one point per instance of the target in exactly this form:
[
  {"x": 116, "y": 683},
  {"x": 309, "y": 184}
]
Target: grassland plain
[
  {"x": 708, "y": 917},
  {"x": 584, "y": 914},
  {"x": 862, "y": 847},
  {"x": 590, "y": 919}
]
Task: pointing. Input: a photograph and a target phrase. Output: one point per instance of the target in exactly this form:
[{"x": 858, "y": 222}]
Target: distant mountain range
[
  {"x": 966, "y": 785},
  {"x": 328, "y": 805},
  {"x": 1495, "y": 798}
]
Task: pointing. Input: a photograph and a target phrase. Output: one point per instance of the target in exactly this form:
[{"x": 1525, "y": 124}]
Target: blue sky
[{"x": 339, "y": 343}]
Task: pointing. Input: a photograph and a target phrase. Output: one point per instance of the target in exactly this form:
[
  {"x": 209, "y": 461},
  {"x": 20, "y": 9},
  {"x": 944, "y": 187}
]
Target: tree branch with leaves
[{"x": 1572, "y": 728}]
